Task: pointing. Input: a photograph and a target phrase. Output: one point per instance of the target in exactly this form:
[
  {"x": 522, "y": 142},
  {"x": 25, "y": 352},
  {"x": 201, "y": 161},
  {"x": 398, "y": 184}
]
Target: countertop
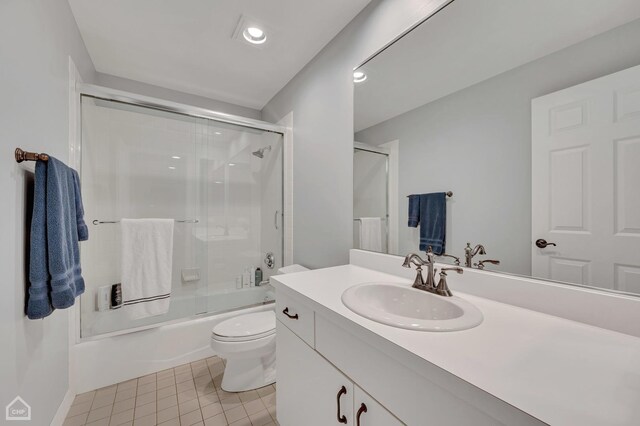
[{"x": 559, "y": 371}]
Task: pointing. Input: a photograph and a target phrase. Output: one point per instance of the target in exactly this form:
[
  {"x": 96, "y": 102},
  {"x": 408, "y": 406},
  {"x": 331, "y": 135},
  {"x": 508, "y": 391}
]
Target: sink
[{"x": 401, "y": 306}]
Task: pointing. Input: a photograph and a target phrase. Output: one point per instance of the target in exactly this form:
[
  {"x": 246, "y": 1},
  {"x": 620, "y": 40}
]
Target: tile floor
[{"x": 188, "y": 395}]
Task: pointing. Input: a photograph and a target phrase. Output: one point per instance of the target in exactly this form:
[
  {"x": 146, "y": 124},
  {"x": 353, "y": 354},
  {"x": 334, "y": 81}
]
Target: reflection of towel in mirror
[
  {"x": 57, "y": 225},
  {"x": 430, "y": 212},
  {"x": 147, "y": 252},
  {"x": 371, "y": 233}
]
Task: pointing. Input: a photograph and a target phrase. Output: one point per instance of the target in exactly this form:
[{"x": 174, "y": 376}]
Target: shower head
[{"x": 260, "y": 153}]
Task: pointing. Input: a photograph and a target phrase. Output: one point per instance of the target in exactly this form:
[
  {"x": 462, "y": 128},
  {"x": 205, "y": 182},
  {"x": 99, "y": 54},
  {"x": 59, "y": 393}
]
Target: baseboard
[{"x": 63, "y": 409}]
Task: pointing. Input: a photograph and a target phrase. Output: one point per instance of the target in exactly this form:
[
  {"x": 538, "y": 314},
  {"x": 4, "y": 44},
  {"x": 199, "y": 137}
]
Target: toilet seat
[{"x": 246, "y": 327}]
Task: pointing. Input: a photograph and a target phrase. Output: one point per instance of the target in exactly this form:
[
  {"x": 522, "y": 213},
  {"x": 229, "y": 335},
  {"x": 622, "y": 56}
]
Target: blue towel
[
  {"x": 430, "y": 211},
  {"x": 83, "y": 231},
  {"x": 414, "y": 210},
  {"x": 57, "y": 226}
]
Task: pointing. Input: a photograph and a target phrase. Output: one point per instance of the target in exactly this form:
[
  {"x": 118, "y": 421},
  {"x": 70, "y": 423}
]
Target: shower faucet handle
[{"x": 270, "y": 260}]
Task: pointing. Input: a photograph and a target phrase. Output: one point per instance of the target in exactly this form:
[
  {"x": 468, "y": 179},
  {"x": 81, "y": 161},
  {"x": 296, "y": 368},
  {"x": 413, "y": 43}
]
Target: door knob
[{"x": 542, "y": 243}]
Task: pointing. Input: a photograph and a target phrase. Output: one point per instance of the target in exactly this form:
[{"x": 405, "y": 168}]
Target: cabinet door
[
  {"x": 375, "y": 414},
  {"x": 308, "y": 387}
]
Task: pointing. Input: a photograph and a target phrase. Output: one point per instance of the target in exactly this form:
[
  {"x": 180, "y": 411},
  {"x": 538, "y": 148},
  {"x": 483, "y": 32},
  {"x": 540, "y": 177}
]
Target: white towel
[
  {"x": 371, "y": 233},
  {"x": 147, "y": 251}
]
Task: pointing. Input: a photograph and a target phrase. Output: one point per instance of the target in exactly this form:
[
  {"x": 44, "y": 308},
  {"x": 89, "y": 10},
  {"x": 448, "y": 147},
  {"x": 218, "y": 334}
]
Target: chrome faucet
[
  {"x": 469, "y": 253},
  {"x": 420, "y": 283}
]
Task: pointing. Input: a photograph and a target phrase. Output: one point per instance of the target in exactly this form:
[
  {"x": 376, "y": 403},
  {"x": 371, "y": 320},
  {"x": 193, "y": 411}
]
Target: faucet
[
  {"x": 420, "y": 283},
  {"x": 469, "y": 253}
]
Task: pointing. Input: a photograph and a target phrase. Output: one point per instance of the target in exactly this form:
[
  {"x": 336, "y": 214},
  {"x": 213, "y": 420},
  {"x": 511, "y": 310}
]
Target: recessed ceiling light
[
  {"x": 218, "y": 181},
  {"x": 359, "y": 76},
  {"x": 172, "y": 168},
  {"x": 254, "y": 35},
  {"x": 218, "y": 133},
  {"x": 175, "y": 157},
  {"x": 232, "y": 164}
]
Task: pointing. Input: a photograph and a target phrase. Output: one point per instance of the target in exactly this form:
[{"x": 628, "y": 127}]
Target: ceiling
[
  {"x": 470, "y": 41},
  {"x": 188, "y": 45}
]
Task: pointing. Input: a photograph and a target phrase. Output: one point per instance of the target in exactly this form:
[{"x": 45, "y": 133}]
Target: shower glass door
[
  {"x": 221, "y": 183},
  {"x": 371, "y": 195}
]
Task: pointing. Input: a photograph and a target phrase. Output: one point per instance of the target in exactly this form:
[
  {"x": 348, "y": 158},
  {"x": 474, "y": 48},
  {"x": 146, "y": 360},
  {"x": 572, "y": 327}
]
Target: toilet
[{"x": 248, "y": 343}]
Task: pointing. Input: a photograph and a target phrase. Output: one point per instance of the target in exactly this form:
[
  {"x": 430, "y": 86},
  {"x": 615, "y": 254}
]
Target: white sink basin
[{"x": 405, "y": 307}]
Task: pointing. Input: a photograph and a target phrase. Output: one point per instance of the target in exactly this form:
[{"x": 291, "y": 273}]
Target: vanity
[{"x": 517, "y": 367}]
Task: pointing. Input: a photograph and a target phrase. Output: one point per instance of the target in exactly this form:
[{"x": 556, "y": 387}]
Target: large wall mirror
[{"x": 528, "y": 114}]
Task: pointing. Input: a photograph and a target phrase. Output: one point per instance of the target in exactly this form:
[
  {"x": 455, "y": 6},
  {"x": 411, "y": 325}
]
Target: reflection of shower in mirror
[{"x": 260, "y": 153}]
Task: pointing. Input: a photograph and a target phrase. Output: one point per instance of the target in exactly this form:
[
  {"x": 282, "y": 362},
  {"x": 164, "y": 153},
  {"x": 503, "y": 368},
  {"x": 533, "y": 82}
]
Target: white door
[
  {"x": 310, "y": 391},
  {"x": 586, "y": 183}
]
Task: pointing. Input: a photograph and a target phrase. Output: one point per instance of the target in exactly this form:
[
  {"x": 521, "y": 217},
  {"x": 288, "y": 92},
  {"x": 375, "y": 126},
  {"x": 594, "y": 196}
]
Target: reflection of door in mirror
[
  {"x": 370, "y": 198},
  {"x": 457, "y": 92},
  {"x": 586, "y": 151}
]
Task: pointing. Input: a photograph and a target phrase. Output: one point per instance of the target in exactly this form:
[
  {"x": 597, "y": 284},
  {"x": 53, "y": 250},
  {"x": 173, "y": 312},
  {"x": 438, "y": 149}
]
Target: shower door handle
[{"x": 275, "y": 220}]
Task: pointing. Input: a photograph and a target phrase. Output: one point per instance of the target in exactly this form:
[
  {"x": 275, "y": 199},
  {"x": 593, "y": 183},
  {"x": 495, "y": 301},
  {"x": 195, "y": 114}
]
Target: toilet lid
[{"x": 247, "y": 326}]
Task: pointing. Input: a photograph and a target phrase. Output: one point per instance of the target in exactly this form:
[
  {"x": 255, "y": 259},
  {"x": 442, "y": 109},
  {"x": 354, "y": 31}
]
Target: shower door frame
[
  {"x": 115, "y": 95},
  {"x": 359, "y": 146}
]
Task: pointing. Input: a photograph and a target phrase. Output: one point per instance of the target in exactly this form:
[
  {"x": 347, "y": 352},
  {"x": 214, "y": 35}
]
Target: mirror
[{"x": 528, "y": 112}]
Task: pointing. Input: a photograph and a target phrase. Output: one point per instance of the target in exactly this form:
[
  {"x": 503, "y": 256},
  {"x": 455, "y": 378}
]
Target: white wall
[
  {"x": 141, "y": 88},
  {"x": 36, "y": 39},
  {"x": 441, "y": 144},
  {"x": 321, "y": 97}
]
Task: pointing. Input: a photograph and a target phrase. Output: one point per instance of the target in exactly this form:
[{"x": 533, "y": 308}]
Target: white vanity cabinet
[
  {"x": 328, "y": 367},
  {"x": 312, "y": 392}
]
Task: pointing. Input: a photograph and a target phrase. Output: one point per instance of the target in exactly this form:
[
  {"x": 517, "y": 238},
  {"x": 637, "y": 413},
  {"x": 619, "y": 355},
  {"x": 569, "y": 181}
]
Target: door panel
[
  {"x": 308, "y": 386},
  {"x": 585, "y": 180},
  {"x": 376, "y": 414}
]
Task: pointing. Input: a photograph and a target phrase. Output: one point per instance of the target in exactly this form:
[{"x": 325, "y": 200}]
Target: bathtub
[{"x": 115, "y": 357}]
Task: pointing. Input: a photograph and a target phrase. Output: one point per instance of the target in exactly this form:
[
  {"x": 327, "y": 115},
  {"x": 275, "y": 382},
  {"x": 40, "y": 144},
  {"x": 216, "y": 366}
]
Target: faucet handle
[
  {"x": 430, "y": 254},
  {"x": 419, "y": 281},
  {"x": 456, "y": 258},
  {"x": 443, "y": 288},
  {"x": 480, "y": 264}
]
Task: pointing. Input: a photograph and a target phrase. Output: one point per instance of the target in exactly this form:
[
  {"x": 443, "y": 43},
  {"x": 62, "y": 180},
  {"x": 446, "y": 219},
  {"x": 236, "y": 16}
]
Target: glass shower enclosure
[{"x": 220, "y": 182}]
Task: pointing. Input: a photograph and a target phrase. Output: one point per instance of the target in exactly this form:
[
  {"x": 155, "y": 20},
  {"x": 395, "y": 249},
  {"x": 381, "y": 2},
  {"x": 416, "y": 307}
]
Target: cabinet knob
[
  {"x": 286, "y": 312},
  {"x": 341, "y": 417},
  {"x": 362, "y": 409}
]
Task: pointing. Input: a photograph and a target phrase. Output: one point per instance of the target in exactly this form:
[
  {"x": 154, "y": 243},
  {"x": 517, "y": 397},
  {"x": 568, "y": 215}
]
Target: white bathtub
[{"x": 110, "y": 359}]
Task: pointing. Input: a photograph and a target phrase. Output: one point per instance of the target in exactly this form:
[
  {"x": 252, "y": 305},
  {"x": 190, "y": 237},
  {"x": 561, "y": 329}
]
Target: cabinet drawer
[{"x": 297, "y": 316}]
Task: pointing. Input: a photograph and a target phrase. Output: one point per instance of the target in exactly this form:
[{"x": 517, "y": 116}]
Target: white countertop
[{"x": 559, "y": 371}]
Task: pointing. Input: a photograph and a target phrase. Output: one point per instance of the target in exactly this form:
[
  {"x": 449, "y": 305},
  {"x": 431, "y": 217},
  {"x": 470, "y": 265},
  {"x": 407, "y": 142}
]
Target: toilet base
[{"x": 249, "y": 373}]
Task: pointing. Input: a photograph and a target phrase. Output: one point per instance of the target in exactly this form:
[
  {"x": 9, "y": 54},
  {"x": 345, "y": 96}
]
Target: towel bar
[
  {"x": 29, "y": 156},
  {"x": 102, "y": 222},
  {"x": 448, "y": 193}
]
